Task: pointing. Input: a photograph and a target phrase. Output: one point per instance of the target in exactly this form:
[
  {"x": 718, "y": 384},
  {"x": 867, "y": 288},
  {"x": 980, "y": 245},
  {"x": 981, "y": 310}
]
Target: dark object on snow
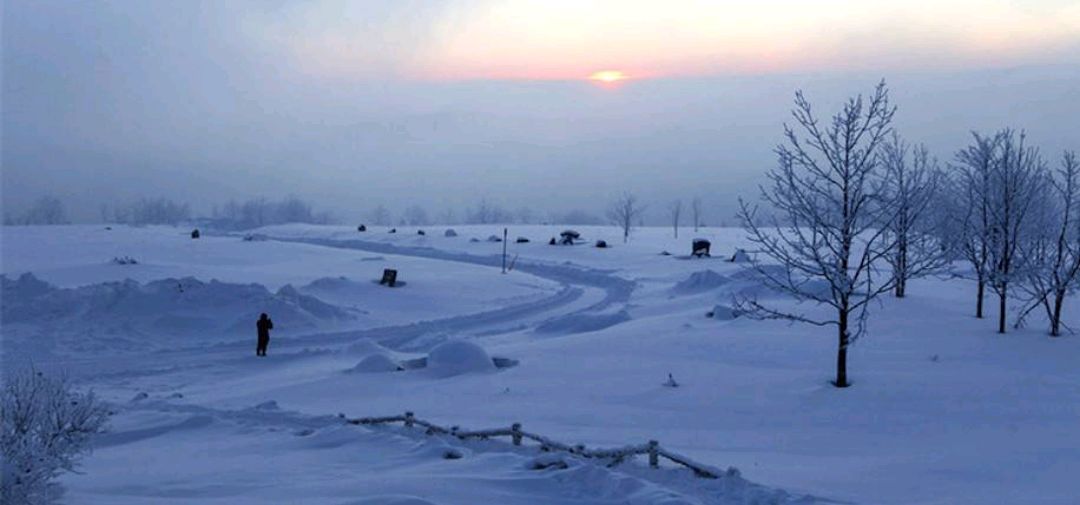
[
  {"x": 665, "y": 253},
  {"x": 420, "y": 232},
  {"x": 389, "y": 277},
  {"x": 601, "y": 244},
  {"x": 701, "y": 248},
  {"x": 108, "y": 227},
  {"x": 449, "y": 233},
  {"x": 474, "y": 239},
  {"x": 361, "y": 228},
  {"x": 552, "y": 241},
  {"x": 124, "y": 260},
  {"x": 494, "y": 238},
  {"x": 264, "y": 325},
  {"x": 393, "y": 230},
  {"x": 569, "y": 236},
  {"x": 451, "y": 454},
  {"x": 670, "y": 383},
  {"x": 522, "y": 240},
  {"x": 740, "y": 256},
  {"x": 195, "y": 233}
]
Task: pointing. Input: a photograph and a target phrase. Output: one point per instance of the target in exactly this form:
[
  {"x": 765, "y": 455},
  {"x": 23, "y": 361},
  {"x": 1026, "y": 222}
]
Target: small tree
[
  {"x": 45, "y": 426},
  {"x": 910, "y": 182},
  {"x": 675, "y": 211},
  {"x": 624, "y": 212},
  {"x": 835, "y": 223}
]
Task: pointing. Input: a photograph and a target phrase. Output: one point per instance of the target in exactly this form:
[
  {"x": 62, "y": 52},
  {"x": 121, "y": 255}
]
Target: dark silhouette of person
[{"x": 264, "y": 325}]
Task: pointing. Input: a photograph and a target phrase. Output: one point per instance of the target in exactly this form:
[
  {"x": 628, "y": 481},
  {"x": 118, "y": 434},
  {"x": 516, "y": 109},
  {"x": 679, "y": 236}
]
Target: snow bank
[
  {"x": 458, "y": 357},
  {"x": 155, "y": 312},
  {"x": 723, "y": 313},
  {"x": 375, "y": 363},
  {"x": 698, "y": 282},
  {"x": 582, "y": 323}
]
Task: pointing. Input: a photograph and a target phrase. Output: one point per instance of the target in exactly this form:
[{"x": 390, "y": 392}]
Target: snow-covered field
[{"x": 942, "y": 411}]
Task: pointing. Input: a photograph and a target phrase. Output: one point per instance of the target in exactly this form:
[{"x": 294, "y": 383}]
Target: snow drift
[{"x": 699, "y": 282}]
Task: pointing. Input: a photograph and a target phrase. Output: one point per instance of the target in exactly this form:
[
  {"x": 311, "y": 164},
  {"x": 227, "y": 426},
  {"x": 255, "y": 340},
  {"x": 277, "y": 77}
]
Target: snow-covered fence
[{"x": 517, "y": 436}]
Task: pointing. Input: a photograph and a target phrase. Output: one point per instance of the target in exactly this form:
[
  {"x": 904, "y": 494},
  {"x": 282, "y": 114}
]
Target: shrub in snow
[
  {"x": 45, "y": 426},
  {"x": 124, "y": 260},
  {"x": 458, "y": 357},
  {"x": 546, "y": 461},
  {"x": 522, "y": 240},
  {"x": 494, "y": 238},
  {"x": 450, "y": 233},
  {"x": 375, "y": 363},
  {"x": 601, "y": 244}
]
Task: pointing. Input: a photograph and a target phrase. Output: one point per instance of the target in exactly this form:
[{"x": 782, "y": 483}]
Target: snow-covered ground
[{"x": 942, "y": 411}]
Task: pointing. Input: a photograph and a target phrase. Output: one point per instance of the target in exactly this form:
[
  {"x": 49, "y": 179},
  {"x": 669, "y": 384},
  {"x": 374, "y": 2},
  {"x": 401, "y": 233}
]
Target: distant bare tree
[
  {"x": 415, "y": 215},
  {"x": 836, "y": 224},
  {"x": 624, "y": 212},
  {"x": 47, "y": 210},
  {"x": 974, "y": 165},
  {"x": 695, "y": 212},
  {"x": 380, "y": 216},
  {"x": 675, "y": 212},
  {"x": 447, "y": 216},
  {"x": 524, "y": 215},
  {"x": 911, "y": 178},
  {"x": 487, "y": 212}
]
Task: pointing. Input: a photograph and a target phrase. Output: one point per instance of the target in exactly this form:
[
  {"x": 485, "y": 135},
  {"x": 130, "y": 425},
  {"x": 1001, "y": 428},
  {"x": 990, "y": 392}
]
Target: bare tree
[
  {"x": 675, "y": 211},
  {"x": 624, "y": 212},
  {"x": 835, "y": 223},
  {"x": 695, "y": 212},
  {"x": 1054, "y": 254},
  {"x": 1016, "y": 181},
  {"x": 487, "y": 212},
  {"x": 910, "y": 180}
]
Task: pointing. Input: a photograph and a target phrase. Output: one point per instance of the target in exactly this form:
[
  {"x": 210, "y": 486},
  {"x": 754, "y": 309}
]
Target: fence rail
[{"x": 616, "y": 455}]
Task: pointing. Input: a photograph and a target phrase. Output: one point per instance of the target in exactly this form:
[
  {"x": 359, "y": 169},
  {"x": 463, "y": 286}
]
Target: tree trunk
[
  {"x": 979, "y": 299},
  {"x": 1001, "y": 307},
  {"x": 841, "y": 353},
  {"x": 1055, "y": 320}
]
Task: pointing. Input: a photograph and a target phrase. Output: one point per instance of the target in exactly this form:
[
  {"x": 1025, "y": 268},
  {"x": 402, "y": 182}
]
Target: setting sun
[{"x": 608, "y": 76}]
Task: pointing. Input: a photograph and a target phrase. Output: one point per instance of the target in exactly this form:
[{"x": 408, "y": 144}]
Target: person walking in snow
[{"x": 264, "y": 325}]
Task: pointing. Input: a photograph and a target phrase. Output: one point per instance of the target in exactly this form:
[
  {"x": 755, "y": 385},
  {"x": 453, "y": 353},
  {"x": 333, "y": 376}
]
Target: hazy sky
[{"x": 353, "y": 104}]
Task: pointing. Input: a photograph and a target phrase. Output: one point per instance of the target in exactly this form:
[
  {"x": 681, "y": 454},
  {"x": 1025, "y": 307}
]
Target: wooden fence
[{"x": 615, "y": 456}]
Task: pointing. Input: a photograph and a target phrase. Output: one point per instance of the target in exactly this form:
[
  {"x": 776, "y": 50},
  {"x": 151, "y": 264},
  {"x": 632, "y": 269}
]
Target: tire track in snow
[{"x": 576, "y": 281}]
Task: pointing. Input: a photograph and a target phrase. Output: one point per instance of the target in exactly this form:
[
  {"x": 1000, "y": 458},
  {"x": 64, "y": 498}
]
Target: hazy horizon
[{"x": 354, "y": 105}]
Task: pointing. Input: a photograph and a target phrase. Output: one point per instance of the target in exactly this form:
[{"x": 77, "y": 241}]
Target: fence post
[
  {"x": 654, "y": 455},
  {"x": 515, "y": 433},
  {"x": 408, "y": 419}
]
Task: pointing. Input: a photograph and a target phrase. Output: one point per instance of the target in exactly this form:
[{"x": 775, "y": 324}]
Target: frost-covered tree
[
  {"x": 624, "y": 212},
  {"x": 1017, "y": 178},
  {"x": 45, "y": 426},
  {"x": 910, "y": 181},
  {"x": 833, "y": 234},
  {"x": 675, "y": 212},
  {"x": 487, "y": 212},
  {"x": 1053, "y": 255},
  {"x": 974, "y": 168}
]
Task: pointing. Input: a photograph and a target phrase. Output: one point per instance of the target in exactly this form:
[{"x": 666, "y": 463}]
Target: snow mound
[
  {"x": 740, "y": 256},
  {"x": 364, "y": 347},
  {"x": 450, "y": 233},
  {"x": 458, "y": 357},
  {"x": 375, "y": 363},
  {"x": 699, "y": 282},
  {"x": 582, "y": 323}
]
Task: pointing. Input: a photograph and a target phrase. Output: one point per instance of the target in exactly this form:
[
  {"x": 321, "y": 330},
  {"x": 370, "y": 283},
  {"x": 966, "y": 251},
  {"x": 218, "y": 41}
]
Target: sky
[{"x": 443, "y": 103}]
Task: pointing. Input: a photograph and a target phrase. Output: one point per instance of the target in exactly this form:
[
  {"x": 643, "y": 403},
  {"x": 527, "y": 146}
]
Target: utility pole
[{"x": 504, "y": 251}]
